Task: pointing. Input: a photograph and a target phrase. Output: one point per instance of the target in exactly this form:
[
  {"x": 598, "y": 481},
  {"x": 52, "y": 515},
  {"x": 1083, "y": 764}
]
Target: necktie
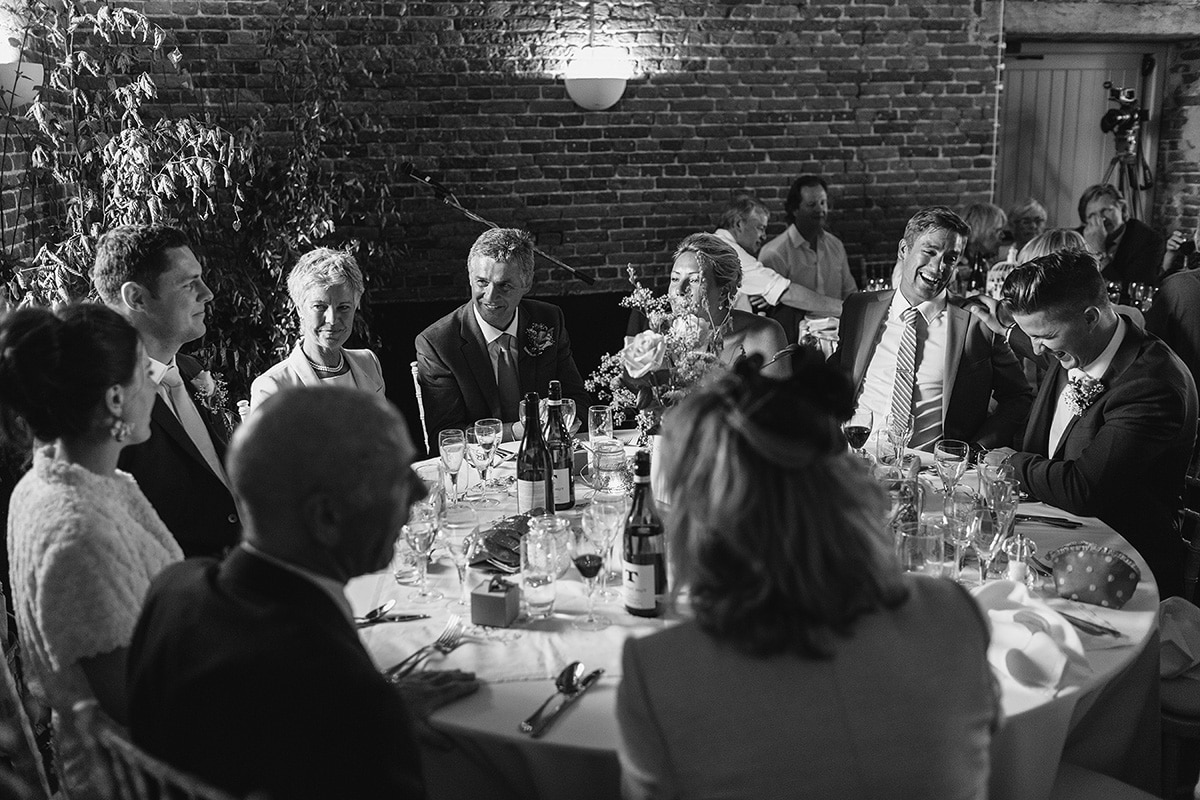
[
  {"x": 189, "y": 418},
  {"x": 506, "y": 377},
  {"x": 906, "y": 369}
]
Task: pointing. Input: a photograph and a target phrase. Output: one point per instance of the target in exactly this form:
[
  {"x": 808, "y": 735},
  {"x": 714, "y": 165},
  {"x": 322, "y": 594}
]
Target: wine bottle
[
  {"x": 534, "y": 471},
  {"x": 645, "y": 567},
  {"x": 562, "y": 450}
]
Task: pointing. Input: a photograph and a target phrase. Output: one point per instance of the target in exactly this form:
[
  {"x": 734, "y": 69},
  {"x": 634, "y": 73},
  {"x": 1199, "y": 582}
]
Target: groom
[
  {"x": 480, "y": 359},
  {"x": 149, "y": 275},
  {"x": 1112, "y": 430}
]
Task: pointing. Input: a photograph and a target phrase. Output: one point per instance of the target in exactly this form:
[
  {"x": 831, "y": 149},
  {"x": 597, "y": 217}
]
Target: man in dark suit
[
  {"x": 249, "y": 672},
  {"x": 482, "y": 358},
  {"x": 149, "y": 275},
  {"x": 1129, "y": 250},
  {"x": 1113, "y": 425},
  {"x": 958, "y": 366}
]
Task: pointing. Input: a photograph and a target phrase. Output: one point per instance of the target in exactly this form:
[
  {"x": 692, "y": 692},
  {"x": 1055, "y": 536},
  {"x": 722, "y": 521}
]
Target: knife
[
  {"x": 1087, "y": 626},
  {"x": 1058, "y": 522},
  {"x": 391, "y": 618},
  {"x": 590, "y": 679}
]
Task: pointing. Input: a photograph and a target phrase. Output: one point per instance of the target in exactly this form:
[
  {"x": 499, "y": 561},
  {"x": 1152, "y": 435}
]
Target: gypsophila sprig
[{"x": 1081, "y": 392}]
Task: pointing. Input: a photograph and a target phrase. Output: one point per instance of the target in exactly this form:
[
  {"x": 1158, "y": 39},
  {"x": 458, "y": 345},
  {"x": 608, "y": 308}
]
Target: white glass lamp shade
[{"x": 597, "y": 76}]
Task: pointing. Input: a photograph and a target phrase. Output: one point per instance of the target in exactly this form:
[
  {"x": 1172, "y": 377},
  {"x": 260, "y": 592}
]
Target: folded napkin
[{"x": 1031, "y": 645}]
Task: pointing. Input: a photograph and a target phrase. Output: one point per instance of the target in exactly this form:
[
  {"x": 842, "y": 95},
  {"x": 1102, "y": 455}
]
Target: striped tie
[{"x": 906, "y": 363}]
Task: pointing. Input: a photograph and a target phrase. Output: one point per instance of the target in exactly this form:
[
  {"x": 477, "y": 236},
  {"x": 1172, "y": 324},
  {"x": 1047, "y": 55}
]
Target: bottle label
[
  {"x": 639, "y": 583},
  {"x": 530, "y": 495},
  {"x": 563, "y": 487}
]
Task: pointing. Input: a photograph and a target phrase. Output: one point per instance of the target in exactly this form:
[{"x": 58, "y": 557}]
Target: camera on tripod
[{"x": 1124, "y": 119}]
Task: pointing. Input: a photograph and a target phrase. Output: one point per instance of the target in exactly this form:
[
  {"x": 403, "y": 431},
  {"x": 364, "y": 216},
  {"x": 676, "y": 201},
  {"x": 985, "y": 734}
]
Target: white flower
[
  {"x": 204, "y": 384},
  {"x": 1081, "y": 392}
]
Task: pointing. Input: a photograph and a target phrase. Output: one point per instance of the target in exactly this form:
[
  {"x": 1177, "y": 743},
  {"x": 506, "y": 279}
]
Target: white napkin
[{"x": 1032, "y": 645}]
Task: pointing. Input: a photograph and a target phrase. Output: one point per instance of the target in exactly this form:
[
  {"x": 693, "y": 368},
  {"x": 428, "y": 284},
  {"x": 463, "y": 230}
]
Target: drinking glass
[
  {"x": 600, "y": 423},
  {"x": 494, "y": 428},
  {"x": 921, "y": 547},
  {"x": 963, "y": 511},
  {"x": 481, "y": 443},
  {"x": 610, "y": 470},
  {"x": 608, "y": 512},
  {"x": 435, "y": 485},
  {"x": 452, "y": 445},
  {"x": 587, "y": 551},
  {"x": 990, "y": 538},
  {"x": 903, "y": 490},
  {"x": 539, "y": 570},
  {"x": 989, "y": 475},
  {"x": 541, "y": 411},
  {"x": 420, "y": 533},
  {"x": 897, "y": 432},
  {"x": 404, "y": 563},
  {"x": 460, "y": 527},
  {"x": 568, "y": 414},
  {"x": 858, "y": 429},
  {"x": 950, "y": 458}
]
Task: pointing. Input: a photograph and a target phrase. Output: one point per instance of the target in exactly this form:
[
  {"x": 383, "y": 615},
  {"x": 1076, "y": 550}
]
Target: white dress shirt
[
  {"x": 491, "y": 333},
  {"x": 1096, "y": 369},
  {"x": 756, "y": 279},
  {"x": 880, "y": 379},
  {"x": 825, "y": 270}
]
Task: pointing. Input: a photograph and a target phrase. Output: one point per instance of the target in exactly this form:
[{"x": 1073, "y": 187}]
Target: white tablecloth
[{"x": 1106, "y": 720}]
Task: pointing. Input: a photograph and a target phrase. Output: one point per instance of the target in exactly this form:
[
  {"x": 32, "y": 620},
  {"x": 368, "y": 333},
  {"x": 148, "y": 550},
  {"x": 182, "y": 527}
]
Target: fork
[{"x": 450, "y": 638}]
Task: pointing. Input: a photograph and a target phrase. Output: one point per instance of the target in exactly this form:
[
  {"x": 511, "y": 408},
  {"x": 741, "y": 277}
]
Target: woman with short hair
[
  {"x": 325, "y": 286},
  {"x": 812, "y": 666}
]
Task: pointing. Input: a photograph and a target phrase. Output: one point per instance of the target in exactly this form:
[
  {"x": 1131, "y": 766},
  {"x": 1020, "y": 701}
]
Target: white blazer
[{"x": 296, "y": 371}]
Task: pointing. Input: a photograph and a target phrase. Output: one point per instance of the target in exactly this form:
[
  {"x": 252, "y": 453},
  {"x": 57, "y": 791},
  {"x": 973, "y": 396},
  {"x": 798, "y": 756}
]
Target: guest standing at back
[
  {"x": 149, "y": 275},
  {"x": 83, "y": 541},
  {"x": 813, "y": 667}
]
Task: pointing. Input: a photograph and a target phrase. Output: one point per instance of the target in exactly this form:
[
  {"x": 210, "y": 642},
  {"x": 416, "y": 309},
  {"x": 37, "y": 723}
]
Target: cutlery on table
[
  {"x": 585, "y": 684},
  {"x": 450, "y": 638},
  {"x": 375, "y": 613},
  {"x": 1058, "y": 522},
  {"x": 567, "y": 683},
  {"x": 366, "y": 623},
  {"x": 1087, "y": 626}
]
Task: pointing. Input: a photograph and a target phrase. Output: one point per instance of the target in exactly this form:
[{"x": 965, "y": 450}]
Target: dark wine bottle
[
  {"x": 562, "y": 450},
  {"x": 534, "y": 471},
  {"x": 645, "y": 567}
]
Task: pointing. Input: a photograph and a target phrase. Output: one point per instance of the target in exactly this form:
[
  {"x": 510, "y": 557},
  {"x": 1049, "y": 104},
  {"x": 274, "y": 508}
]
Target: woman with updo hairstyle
[
  {"x": 811, "y": 665},
  {"x": 325, "y": 287},
  {"x": 83, "y": 541}
]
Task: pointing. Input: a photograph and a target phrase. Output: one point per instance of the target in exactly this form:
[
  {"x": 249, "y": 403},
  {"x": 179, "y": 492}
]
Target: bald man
[{"x": 249, "y": 673}]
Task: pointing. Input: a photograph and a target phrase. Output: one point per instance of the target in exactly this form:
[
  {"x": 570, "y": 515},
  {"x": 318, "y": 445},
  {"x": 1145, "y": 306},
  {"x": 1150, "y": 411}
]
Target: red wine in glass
[
  {"x": 589, "y": 564},
  {"x": 857, "y": 435}
]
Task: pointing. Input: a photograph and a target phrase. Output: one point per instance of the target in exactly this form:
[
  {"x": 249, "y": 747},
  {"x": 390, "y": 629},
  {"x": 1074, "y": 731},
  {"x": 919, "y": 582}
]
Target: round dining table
[{"x": 1102, "y": 715}]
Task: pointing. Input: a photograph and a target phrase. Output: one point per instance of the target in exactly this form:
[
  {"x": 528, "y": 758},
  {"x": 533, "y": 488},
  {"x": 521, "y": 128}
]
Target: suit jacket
[
  {"x": 455, "y": 370},
  {"x": 296, "y": 371},
  {"x": 193, "y": 502},
  {"x": 1123, "y": 460},
  {"x": 252, "y": 678},
  {"x": 979, "y": 366},
  {"x": 1175, "y": 317},
  {"x": 1138, "y": 256}
]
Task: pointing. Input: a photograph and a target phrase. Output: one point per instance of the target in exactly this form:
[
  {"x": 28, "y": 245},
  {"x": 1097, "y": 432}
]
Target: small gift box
[
  {"x": 1093, "y": 574},
  {"x": 495, "y": 603}
]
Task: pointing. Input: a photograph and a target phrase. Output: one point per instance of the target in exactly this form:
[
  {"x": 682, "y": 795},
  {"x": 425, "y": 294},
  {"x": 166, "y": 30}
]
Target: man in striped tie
[{"x": 916, "y": 356}]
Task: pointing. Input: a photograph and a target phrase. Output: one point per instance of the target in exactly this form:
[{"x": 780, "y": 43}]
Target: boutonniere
[
  {"x": 204, "y": 384},
  {"x": 538, "y": 339},
  {"x": 1082, "y": 392},
  {"x": 213, "y": 395}
]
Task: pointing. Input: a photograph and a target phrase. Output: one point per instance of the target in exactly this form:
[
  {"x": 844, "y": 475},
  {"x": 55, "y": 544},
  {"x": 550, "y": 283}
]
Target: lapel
[
  {"x": 475, "y": 353},
  {"x": 298, "y": 364},
  {"x": 189, "y": 368},
  {"x": 957, "y": 323},
  {"x": 1126, "y": 354},
  {"x": 526, "y": 364},
  {"x": 874, "y": 315},
  {"x": 162, "y": 416},
  {"x": 1037, "y": 432}
]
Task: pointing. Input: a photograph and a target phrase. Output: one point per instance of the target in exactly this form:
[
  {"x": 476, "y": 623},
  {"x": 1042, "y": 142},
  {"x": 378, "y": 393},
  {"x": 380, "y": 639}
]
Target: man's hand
[
  {"x": 1172, "y": 252},
  {"x": 1094, "y": 234},
  {"x": 991, "y": 312},
  {"x": 759, "y": 304},
  {"x": 998, "y": 456}
]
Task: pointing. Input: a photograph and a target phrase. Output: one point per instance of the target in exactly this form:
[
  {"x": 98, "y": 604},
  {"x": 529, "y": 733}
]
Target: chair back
[
  {"x": 420, "y": 403},
  {"x": 1189, "y": 527},
  {"x": 21, "y": 749},
  {"x": 129, "y": 773}
]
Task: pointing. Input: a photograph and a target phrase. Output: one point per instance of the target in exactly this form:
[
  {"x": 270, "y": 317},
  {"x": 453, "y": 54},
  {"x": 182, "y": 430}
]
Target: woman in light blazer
[{"x": 325, "y": 286}]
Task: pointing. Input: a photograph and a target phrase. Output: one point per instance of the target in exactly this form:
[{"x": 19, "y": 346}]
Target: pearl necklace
[{"x": 322, "y": 369}]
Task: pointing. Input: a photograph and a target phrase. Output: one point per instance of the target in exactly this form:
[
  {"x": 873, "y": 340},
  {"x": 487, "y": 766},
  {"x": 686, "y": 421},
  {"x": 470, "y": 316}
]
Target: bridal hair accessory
[{"x": 1082, "y": 392}]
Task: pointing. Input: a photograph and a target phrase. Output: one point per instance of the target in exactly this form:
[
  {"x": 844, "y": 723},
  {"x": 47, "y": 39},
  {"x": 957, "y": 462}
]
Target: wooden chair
[
  {"x": 420, "y": 404},
  {"x": 22, "y": 751},
  {"x": 1180, "y": 717},
  {"x": 129, "y": 773}
]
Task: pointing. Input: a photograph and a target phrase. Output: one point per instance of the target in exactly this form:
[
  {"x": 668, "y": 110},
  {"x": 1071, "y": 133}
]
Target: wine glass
[
  {"x": 600, "y": 423},
  {"x": 989, "y": 539},
  {"x": 858, "y": 429},
  {"x": 609, "y": 513},
  {"x": 420, "y": 532},
  {"x": 586, "y": 543},
  {"x": 491, "y": 427},
  {"x": 452, "y": 445},
  {"x": 459, "y": 525},
  {"x": 963, "y": 511},
  {"x": 898, "y": 431},
  {"x": 568, "y": 414},
  {"x": 950, "y": 458},
  {"x": 481, "y": 443}
]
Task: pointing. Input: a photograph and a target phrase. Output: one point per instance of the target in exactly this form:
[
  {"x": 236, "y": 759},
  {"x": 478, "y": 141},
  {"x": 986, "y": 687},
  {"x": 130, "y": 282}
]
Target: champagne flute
[
  {"x": 898, "y": 431},
  {"x": 452, "y": 445},
  {"x": 586, "y": 543},
  {"x": 459, "y": 525},
  {"x": 609, "y": 513},
  {"x": 858, "y": 429},
  {"x": 480, "y": 450},
  {"x": 490, "y": 429},
  {"x": 963, "y": 512},
  {"x": 420, "y": 532},
  {"x": 950, "y": 458}
]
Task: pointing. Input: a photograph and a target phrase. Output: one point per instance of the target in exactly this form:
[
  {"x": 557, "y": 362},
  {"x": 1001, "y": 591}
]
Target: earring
[{"x": 120, "y": 429}]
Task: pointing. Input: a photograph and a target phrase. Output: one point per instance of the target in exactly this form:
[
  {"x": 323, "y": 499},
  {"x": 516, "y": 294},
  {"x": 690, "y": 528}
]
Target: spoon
[
  {"x": 567, "y": 683},
  {"x": 376, "y": 613}
]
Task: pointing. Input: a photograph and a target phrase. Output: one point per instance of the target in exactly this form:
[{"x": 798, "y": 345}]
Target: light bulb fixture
[{"x": 597, "y": 76}]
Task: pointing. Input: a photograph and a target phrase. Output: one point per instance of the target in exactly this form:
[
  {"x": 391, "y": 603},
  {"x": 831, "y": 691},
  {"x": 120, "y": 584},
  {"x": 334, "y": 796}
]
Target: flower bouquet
[{"x": 658, "y": 366}]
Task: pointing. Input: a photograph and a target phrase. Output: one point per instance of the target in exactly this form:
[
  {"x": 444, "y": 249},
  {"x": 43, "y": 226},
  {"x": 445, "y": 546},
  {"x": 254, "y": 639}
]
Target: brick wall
[{"x": 1178, "y": 169}]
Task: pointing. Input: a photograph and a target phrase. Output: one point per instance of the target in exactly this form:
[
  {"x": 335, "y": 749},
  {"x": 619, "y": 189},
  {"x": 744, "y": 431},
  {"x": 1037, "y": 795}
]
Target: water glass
[
  {"x": 459, "y": 526},
  {"x": 963, "y": 512},
  {"x": 404, "y": 564},
  {"x": 420, "y": 533},
  {"x": 921, "y": 548},
  {"x": 600, "y": 423},
  {"x": 610, "y": 470},
  {"x": 435, "y": 485},
  {"x": 539, "y": 570},
  {"x": 568, "y": 414}
]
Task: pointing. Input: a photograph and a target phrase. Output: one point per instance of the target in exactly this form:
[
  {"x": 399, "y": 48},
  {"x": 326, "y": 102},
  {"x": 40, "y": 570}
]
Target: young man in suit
[
  {"x": 1112, "y": 429},
  {"x": 249, "y": 672},
  {"x": 149, "y": 275},
  {"x": 482, "y": 358},
  {"x": 956, "y": 366}
]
